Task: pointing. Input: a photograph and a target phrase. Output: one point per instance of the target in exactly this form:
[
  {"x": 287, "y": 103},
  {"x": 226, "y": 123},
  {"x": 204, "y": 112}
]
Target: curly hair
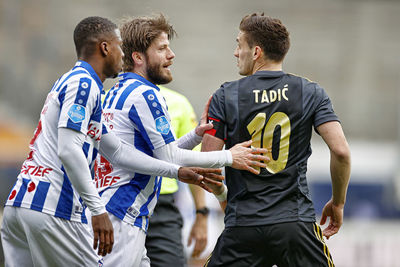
[
  {"x": 138, "y": 33},
  {"x": 89, "y": 32}
]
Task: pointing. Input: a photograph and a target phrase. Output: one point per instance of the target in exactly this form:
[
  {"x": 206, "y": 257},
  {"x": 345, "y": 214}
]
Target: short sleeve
[
  {"x": 150, "y": 117},
  {"x": 216, "y": 114},
  {"x": 324, "y": 110},
  {"x": 77, "y": 104}
]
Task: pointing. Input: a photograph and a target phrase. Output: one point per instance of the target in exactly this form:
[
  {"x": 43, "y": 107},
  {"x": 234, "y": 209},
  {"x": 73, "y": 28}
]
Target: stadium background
[{"x": 349, "y": 46}]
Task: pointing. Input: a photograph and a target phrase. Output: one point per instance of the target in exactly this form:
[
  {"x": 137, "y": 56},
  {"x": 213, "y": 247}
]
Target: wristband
[
  {"x": 223, "y": 196},
  {"x": 205, "y": 211}
]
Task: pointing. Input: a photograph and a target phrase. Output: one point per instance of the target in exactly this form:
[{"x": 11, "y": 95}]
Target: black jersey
[{"x": 277, "y": 111}]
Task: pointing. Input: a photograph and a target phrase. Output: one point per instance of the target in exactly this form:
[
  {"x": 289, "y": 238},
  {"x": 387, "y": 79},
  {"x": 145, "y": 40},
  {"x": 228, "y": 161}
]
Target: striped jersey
[
  {"x": 136, "y": 112},
  {"x": 43, "y": 185}
]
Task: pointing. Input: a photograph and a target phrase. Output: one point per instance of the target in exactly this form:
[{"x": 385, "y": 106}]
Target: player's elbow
[
  {"x": 63, "y": 153},
  {"x": 342, "y": 153}
]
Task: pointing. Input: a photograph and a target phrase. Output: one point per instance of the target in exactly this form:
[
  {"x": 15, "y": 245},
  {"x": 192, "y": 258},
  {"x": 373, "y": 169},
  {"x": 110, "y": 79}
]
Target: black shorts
[{"x": 297, "y": 244}]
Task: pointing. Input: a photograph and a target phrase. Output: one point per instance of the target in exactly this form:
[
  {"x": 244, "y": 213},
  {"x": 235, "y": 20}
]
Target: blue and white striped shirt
[
  {"x": 43, "y": 185},
  {"x": 136, "y": 112}
]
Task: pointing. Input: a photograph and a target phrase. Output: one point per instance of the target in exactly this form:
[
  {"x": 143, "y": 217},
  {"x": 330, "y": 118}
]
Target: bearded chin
[{"x": 155, "y": 76}]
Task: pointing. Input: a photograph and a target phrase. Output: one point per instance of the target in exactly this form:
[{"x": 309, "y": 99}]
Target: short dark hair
[
  {"x": 268, "y": 33},
  {"x": 89, "y": 32},
  {"x": 138, "y": 33}
]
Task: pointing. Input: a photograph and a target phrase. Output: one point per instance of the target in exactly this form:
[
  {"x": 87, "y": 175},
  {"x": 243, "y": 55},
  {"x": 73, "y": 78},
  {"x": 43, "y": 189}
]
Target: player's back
[{"x": 277, "y": 111}]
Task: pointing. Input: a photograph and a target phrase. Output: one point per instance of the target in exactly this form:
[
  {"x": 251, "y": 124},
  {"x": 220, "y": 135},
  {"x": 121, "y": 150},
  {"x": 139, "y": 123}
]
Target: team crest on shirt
[
  {"x": 76, "y": 113},
  {"x": 162, "y": 125}
]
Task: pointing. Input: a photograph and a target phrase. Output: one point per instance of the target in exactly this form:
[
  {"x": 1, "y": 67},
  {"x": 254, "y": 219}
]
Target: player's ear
[
  {"x": 104, "y": 48},
  {"x": 257, "y": 52},
  {"x": 138, "y": 58}
]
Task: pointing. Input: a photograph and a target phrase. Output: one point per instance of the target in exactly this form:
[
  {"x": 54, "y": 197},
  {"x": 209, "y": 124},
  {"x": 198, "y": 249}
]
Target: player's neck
[
  {"x": 97, "y": 66},
  {"x": 267, "y": 65}
]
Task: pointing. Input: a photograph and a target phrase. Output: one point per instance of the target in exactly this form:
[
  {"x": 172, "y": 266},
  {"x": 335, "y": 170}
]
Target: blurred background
[{"x": 350, "y": 47}]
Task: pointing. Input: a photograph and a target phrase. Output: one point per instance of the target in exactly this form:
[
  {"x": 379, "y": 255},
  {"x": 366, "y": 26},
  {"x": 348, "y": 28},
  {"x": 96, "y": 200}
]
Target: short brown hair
[
  {"x": 268, "y": 33},
  {"x": 138, "y": 33}
]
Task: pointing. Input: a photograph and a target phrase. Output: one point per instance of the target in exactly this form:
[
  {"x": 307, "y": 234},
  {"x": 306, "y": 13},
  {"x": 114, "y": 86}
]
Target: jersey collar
[
  {"x": 131, "y": 75},
  {"x": 91, "y": 71},
  {"x": 269, "y": 73}
]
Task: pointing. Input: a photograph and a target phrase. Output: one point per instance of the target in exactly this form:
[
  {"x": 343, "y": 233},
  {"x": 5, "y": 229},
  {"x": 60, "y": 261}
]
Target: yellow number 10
[{"x": 256, "y": 127}]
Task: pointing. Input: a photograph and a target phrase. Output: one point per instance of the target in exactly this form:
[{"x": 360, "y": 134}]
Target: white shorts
[
  {"x": 129, "y": 246},
  {"x": 32, "y": 238}
]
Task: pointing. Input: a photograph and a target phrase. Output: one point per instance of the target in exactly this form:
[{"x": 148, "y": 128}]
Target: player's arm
[
  {"x": 241, "y": 157},
  {"x": 128, "y": 157},
  {"x": 340, "y": 162},
  {"x": 70, "y": 152},
  {"x": 211, "y": 143},
  {"x": 198, "y": 232},
  {"x": 77, "y": 106}
]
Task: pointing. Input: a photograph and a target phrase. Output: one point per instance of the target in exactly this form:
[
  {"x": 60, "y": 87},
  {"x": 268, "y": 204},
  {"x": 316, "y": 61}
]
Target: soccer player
[
  {"x": 137, "y": 113},
  {"x": 44, "y": 222},
  {"x": 269, "y": 217},
  {"x": 164, "y": 235}
]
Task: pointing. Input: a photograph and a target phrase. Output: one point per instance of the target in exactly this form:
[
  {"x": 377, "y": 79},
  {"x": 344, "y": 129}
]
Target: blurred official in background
[{"x": 164, "y": 237}]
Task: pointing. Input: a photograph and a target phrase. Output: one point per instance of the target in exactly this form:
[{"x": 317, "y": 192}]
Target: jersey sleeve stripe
[
  {"x": 125, "y": 94},
  {"x": 81, "y": 98},
  {"x": 134, "y": 116},
  {"x": 65, "y": 202},
  {"x": 157, "y": 112},
  {"x": 40, "y": 196}
]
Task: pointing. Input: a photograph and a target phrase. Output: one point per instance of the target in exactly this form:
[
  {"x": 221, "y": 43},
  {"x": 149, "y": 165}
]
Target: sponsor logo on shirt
[
  {"x": 76, "y": 113},
  {"x": 162, "y": 125}
]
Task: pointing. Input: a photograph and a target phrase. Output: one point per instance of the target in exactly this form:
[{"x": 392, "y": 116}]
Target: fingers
[
  {"x": 205, "y": 187},
  {"x": 103, "y": 234},
  {"x": 211, "y": 181},
  {"x": 101, "y": 244},
  {"x": 255, "y": 150},
  {"x": 323, "y": 219},
  {"x": 246, "y": 143},
  {"x": 253, "y": 170},
  {"x": 330, "y": 231},
  {"x": 205, "y": 111},
  {"x": 96, "y": 239},
  {"x": 258, "y": 164},
  {"x": 206, "y": 170}
]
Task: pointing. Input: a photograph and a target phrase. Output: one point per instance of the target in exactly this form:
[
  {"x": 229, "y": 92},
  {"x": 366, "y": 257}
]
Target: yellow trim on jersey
[{"x": 318, "y": 234}]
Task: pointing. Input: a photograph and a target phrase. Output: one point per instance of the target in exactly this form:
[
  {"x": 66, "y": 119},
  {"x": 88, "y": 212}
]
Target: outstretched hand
[
  {"x": 336, "y": 218},
  {"x": 203, "y": 124},
  {"x": 201, "y": 177},
  {"x": 246, "y": 158}
]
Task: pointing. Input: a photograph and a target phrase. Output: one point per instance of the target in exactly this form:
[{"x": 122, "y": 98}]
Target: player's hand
[
  {"x": 335, "y": 213},
  {"x": 246, "y": 158},
  {"x": 103, "y": 234},
  {"x": 203, "y": 124},
  {"x": 198, "y": 234},
  {"x": 200, "y": 176}
]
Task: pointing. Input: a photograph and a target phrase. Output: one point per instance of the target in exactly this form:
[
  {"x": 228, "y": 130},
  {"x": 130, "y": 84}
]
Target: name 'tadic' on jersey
[
  {"x": 277, "y": 111},
  {"x": 136, "y": 112},
  {"x": 43, "y": 185}
]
